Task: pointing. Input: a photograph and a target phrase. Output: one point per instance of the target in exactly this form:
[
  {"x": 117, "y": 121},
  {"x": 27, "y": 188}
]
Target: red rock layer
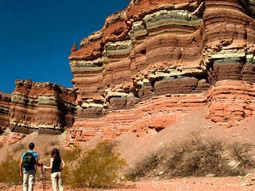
[
  {"x": 41, "y": 106},
  {"x": 5, "y": 100},
  {"x": 147, "y": 117},
  {"x": 231, "y": 102}
]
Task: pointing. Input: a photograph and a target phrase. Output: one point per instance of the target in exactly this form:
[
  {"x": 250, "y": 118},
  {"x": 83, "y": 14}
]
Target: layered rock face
[
  {"x": 231, "y": 102},
  {"x": 45, "y": 107},
  {"x": 5, "y": 101},
  {"x": 147, "y": 117},
  {"x": 158, "y": 49}
]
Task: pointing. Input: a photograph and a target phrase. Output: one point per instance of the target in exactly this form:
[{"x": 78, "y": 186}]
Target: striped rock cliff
[
  {"x": 157, "y": 60},
  {"x": 43, "y": 107},
  {"x": 5, "y": 100}
]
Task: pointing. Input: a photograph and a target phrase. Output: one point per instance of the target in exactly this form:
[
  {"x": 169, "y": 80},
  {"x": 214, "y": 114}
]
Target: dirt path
[{"x": 182, "y": 184}]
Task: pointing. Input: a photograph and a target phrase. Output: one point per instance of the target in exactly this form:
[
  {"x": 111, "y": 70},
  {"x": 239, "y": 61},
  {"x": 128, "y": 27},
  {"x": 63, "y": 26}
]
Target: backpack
[{"x": 28, "y": 161}]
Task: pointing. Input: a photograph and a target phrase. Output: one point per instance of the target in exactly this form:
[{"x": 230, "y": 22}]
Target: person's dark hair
[
  {"x": 56, "y": 154},
  {"x": 31, "y": 146}
]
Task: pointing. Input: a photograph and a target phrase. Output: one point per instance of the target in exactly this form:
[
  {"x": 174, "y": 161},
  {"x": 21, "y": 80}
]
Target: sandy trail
[{"x": 181, "y": 184}]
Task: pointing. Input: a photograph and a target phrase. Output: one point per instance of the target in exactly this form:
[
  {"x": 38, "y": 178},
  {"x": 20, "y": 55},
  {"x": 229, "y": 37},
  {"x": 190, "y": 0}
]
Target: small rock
[
  {"x": 249, "y": 174},
  {"x": 234, "y": 164},
  {"x": 247, "y": 183},
  {"x": 210, "y": 175}
]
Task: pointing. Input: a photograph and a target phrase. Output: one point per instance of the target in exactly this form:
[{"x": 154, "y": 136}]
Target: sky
[{"x": 36, "y": 37}]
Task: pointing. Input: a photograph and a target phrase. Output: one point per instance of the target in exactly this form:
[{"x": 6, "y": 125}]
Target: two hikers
[
  {"x": 56, "y": 165},
  {"x": 28, "y": 163}
]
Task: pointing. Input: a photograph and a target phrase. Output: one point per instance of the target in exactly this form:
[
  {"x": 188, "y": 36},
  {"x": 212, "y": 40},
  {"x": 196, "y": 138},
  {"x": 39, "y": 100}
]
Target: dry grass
[
  {"x": 243, "y": 154},
  {"x": 194, "y": 157},
  {"x": 146, "y": 167},
  {"x": 197, "y": 158},
  {"x": 9, "y": 171},
  {"x": 19, "y": 147}
]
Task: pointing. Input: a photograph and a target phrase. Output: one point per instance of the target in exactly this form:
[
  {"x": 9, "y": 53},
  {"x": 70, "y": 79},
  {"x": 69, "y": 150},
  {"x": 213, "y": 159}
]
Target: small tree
[
  {"x": 69, "y": 156},
  {"x": 99, "y": 167}
]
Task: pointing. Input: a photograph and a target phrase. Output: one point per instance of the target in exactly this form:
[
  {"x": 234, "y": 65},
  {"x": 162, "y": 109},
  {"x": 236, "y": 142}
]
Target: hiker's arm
[
  {"x": 20, "y": 167},
  {"x": 38, "y": 163},
  {"x": 63, "y": 164},
  {"x": 51, "y": 164}
]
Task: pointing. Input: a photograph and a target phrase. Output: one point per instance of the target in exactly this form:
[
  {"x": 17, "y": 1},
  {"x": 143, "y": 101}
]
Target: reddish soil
[{"x": 182, "y": 184}]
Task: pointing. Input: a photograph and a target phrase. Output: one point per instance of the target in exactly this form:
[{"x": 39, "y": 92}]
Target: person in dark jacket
[{"x": 56, "y": 166}]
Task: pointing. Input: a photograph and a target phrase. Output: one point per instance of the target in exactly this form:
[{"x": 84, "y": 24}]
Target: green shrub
[
  {"x": 98, "y": 167},
  {"x": 69, "y": 157},
  {"x": 9, "y": 171}
]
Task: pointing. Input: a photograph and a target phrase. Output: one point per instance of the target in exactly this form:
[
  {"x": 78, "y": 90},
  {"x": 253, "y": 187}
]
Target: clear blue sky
[{"x": 36, "y": 36}]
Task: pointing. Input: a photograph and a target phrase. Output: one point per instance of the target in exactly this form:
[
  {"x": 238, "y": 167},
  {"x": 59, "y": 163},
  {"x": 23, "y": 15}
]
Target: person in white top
[{"x": 56, "y": 166}]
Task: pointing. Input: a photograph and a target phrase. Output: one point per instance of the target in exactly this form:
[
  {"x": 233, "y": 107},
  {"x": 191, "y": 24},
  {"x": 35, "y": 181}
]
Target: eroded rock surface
[
  {"x": 165, "y": 50},
  {"x": 231, "y": 102},
  {"x": 46, "y": 107},
  {"x": 5, "y": 100}
]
